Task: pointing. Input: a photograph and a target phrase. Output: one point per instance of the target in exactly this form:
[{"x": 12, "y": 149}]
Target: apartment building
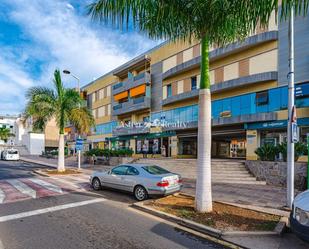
[{"x": 151, "y": 102}]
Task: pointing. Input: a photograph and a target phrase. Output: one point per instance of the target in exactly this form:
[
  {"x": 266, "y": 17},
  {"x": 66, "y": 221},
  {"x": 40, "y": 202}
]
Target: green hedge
[
  {"x": 269, "y": 152},
  {"x": 109, "y": 153}
]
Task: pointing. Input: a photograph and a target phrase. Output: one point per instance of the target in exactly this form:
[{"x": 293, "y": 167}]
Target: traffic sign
[{"x": 79, "y": 144}]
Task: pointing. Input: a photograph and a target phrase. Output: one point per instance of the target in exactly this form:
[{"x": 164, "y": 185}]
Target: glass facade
[
  {"x": 106, "y": 128},
  {"x": 238, "y": 105}
]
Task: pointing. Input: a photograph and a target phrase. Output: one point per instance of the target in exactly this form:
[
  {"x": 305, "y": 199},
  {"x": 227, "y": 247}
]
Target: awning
[
  {"x": 143, "y": 136},
  {"x": 138, "y": 90},
  {"x": 120, "y": 96}
]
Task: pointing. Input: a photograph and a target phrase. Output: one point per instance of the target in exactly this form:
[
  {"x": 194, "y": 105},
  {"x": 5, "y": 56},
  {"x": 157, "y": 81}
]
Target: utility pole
[
  {"x": 291, "y": 115},
  {"x": 78, "y": 90}
]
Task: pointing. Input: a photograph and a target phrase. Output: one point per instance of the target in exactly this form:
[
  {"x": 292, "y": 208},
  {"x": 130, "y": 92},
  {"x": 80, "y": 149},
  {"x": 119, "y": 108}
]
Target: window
[
  {"x": 121, "y": 170},
  {"x": 169, "y": 90},
  {"x": 101, "y": 93},
  {"x": 108, "y": 91},
  {"x": 193, "y": 83},
  {"x": 93, "y": 97},
  {"x": 155, "y": 170},
  {"x": 101, "y": 111},
  {"x": 109, "y": 109},
  {"x": 262, "y": 98},
  {"x": 132, "y": 171}
]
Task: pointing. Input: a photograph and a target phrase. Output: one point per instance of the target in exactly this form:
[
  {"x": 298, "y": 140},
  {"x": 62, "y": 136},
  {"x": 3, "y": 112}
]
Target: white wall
[{"x": 34, "y": 142}]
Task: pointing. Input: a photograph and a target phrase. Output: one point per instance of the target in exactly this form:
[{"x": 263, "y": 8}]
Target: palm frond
[
  {"x": 82, "y": 119},
  {"x": 222, "y": 21}
]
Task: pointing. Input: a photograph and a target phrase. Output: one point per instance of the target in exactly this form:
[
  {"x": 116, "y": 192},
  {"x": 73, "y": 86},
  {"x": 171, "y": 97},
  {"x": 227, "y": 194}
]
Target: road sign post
[{"x": 79, "y": 147}]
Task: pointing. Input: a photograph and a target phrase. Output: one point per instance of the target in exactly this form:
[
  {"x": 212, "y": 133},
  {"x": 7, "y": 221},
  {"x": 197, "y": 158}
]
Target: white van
[{"x": 10, "y": 155}]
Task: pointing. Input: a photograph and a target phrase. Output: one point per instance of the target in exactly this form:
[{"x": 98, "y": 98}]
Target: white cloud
[{"x": 63, "y": 38}]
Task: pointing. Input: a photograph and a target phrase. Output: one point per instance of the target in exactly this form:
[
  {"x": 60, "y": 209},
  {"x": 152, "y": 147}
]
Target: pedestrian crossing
[{"x": 12, "y": 190}]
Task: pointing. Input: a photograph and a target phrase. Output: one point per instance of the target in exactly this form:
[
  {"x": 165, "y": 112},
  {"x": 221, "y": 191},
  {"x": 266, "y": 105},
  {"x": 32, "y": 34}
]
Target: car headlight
[{"x": 302, "y": 216}]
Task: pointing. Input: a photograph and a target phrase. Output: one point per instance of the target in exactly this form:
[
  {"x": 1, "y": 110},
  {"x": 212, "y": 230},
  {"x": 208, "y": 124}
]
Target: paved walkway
[{"x": 263, "y": 196}]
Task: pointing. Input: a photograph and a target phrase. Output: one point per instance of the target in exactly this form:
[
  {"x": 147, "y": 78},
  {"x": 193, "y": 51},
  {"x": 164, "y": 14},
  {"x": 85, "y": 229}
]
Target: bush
[
  {"x": 300, "y": 150},
  {"x": 109, "y": 153},
  {"x": 267, "y": 152}
]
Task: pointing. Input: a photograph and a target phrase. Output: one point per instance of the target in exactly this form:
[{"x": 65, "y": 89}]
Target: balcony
[
  {"x": 134, "y": 104},
  {"x": 140, "y": 79}
]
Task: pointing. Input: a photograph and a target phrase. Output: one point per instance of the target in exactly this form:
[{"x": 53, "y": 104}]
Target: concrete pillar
[
  {"x": 174, "y": 146},
  {"x": 253, "y": 142},
  {"x": 133, "y": 145}
]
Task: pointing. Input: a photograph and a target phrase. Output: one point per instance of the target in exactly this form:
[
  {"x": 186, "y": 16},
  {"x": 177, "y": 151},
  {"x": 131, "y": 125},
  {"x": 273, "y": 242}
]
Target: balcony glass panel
[{"x": 138, "y": 100}]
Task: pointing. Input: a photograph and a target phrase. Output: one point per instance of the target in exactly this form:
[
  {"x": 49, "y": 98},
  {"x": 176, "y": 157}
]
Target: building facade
[{"x": 150, "y": 104}]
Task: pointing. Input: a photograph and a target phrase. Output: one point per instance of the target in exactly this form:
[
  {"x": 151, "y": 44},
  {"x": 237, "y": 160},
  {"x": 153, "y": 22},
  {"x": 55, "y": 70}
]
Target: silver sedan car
[{"x": 140, "y": 179}]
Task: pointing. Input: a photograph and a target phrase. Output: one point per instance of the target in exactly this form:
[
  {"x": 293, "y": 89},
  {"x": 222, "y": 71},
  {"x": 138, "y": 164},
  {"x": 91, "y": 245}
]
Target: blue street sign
[{"x": 79, "y": 144}]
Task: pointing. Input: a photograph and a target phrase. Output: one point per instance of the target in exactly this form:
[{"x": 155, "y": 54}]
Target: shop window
[
  {"x": 193, "y": 83},
  {"x": 261, "y": 98},
  {"x": 169, "y": 90}
]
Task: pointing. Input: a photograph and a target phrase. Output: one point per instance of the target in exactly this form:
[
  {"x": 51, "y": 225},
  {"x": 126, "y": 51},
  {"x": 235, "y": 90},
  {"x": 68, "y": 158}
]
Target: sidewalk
[{"x": 70, "y": 162}]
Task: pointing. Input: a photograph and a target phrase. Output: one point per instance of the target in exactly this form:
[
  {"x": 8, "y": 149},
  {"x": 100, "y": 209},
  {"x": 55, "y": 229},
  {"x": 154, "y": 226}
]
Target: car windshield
[
  {"x": 13, "y": 152},
  {"x": 155, "y": 170}
]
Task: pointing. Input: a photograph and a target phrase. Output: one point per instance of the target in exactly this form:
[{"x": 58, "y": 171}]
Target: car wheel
[
  {"x": 96, "y": 184},
  {"x": 140, "y": 193}
]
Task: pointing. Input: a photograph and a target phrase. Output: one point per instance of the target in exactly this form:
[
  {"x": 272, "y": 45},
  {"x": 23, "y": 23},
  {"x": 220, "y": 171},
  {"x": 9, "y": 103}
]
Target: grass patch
[
  {"x": 66, "y": 172},
  {"x": 224, "y": 217}
]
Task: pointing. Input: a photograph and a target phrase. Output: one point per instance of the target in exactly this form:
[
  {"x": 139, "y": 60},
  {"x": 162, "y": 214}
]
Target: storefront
[{"x": 150, "y": 143}]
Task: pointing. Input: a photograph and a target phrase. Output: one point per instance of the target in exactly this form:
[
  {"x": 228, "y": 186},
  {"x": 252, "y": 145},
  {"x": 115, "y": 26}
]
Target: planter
[
  {"x": 114, "y": 161},
  {"x": 274, "y": 173}
]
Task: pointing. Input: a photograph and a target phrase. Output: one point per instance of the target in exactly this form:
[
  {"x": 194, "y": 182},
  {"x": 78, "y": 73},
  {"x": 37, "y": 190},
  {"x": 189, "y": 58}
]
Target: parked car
[
  {"x": 10, "y": 155},
  {"x": 140, "y": 179},
  {"x": 299, "y": 218}
]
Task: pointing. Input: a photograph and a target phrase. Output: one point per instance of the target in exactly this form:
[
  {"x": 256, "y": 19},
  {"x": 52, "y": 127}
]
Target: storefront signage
[
  {"x": 302, "y": 90},
  {"x": 267, "y": 125},
  {"x": 153, "y": 124}
]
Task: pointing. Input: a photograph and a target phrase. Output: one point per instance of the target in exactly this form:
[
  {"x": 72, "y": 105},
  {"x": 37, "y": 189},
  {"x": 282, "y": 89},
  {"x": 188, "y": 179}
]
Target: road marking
[
  {"x": 2, "y": 197},
  {"x": 49, "y": 210},
  {"x": 46, "y": 185},
  {"x": 23, "y": 188}
]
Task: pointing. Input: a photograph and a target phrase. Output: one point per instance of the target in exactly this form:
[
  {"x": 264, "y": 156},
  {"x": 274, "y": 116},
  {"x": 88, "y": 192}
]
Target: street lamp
[
  {"x": 78, "y": 89},
  {"x": 75, "y": 77}
]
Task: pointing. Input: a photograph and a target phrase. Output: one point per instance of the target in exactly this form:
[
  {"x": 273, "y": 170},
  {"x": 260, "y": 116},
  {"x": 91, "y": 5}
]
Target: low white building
[{"x": 8, "y": 121}]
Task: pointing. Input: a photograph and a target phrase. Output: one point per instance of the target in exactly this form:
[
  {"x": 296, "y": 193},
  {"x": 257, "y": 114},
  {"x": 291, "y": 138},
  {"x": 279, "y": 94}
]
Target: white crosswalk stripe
[
  {"x": 23, "y": 188},
  {"x": 2, "y": 197},
  {"x": 46, "y": 185}
]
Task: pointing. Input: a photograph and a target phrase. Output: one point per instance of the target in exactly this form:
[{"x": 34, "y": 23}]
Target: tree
[
  {"x": 5, "y": 133},
  {"x": 63, "y": 104},
  {"x": 212, "y": 22}
]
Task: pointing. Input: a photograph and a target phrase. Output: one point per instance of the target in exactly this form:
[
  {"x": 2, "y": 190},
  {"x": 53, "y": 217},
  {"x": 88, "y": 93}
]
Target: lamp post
[
  {"x": 291, "y": 116},
  {"x": 78, "y": 90}
]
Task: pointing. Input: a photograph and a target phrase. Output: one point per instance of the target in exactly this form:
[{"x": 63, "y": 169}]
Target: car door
[
  {"x": 115, "y": 178},
  {"x": 131, "y": 178}
]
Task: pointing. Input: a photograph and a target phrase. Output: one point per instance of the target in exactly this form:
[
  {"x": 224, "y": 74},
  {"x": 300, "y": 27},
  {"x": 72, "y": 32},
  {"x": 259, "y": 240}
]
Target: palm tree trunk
[
  {"x": 203, "y": 197},
  {"x": 61, "y": 166}
]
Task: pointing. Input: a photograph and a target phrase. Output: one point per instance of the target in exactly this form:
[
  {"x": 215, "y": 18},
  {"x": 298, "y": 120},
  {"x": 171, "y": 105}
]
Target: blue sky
[{"x": 38, "y": 36}]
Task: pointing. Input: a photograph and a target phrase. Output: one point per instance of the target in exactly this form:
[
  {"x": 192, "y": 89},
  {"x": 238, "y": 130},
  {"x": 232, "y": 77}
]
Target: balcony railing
[
  {"x": 134, "y": 104},
  {"x": 140, "y": 79}
]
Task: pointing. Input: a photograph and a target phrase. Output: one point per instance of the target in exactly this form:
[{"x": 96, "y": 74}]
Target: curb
[
  {"x": 38, "y": 172},
  {"x": 279, "y": 229},
  {"x": 37, "y": 163}
]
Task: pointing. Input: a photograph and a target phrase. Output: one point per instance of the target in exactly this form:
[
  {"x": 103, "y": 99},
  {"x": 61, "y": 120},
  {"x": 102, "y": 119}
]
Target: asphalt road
[{"x": 79, "y": 219}]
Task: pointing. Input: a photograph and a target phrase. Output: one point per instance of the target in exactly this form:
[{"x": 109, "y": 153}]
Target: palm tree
[
  {"x": 212, "y": 22},
  {"x": 63, "y": 104},
  {"x": 5, "y": 133}
]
